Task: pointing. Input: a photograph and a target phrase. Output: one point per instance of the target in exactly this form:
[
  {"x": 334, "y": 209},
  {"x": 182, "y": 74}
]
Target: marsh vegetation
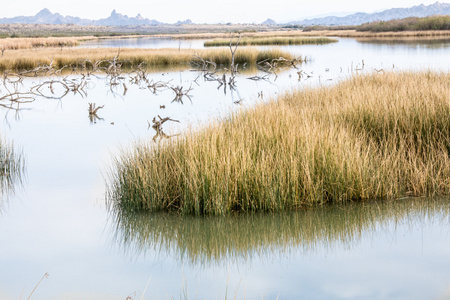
[
  {"x": 77, "y": 58},
  {"x": 79, "y": 119},
  {"x": 272, "y": 41},
  {"x": 373, "y": 136}
]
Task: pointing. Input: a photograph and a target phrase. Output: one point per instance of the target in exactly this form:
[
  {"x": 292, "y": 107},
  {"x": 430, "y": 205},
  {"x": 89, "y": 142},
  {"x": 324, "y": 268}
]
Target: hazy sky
[{"x": 204, "y": 11}]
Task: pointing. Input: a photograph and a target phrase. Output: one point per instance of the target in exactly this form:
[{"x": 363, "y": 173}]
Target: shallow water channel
[{"x": 57, "y": 221}]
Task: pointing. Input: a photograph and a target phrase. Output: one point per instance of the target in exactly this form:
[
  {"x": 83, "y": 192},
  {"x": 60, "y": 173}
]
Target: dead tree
[{"x": 233, "y": 68}]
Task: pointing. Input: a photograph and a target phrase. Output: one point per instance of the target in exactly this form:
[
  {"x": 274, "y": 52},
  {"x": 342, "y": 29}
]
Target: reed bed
[
  {"x": 271, "y": 41},
  {"x": 30, "y": 43},
  {"x": 373, "y": 136},
  {"x": 153, "y": 58}
]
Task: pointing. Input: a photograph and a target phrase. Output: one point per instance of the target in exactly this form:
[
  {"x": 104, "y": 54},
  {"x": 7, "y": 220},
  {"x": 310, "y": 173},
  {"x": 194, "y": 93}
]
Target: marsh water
[{"x": 56, "y": 220}]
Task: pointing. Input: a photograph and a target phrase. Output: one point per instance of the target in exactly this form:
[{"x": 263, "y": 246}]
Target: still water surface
[{"x": 57, "y": 221}]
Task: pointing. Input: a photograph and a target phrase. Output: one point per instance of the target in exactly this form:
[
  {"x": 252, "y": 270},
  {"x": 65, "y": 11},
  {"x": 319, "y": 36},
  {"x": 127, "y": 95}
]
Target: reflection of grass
[
  {"x": 377, "y": 136},
  {"x": 233, "y": 239},
  {"x": 278, "y": 41},
  {"x": 153, "y": 58},
  {"x": 413, "y": 42},
  {"x": 11, "y": 169}
]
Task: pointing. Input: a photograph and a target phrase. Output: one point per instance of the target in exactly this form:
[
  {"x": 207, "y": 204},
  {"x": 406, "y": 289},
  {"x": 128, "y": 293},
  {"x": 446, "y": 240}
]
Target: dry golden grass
[
  {"x": 153, "y": 58},
  {"x": 271, "y": 41},
  {"x": 29, "y": 43},
  {"x": 377, "y": 136}
]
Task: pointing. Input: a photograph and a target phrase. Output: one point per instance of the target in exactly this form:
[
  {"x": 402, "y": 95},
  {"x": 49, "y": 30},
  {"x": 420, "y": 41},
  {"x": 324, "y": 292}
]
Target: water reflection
[
  {"x": 236, "y": 239},
  {"x": 144, "y": 43},
  {"x": 65, "y": 156},
  {"x": 11, "y": 171},
  {"x": 157, "y": 127},
  {"x": 410, "y": 42}
]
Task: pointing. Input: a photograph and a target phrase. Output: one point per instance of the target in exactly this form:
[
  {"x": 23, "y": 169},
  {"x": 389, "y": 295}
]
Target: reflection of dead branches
[
  {"x": 59, "y": 87},
  {"x": 157, "y": 85},
  {"x": 93, "y": 117},
  {"x": 157, "y": 126},
  {"x": 16, "y": 98},
  {"x": 301, "y": 74},
  {"x": 256, "y": 78},
  {"x": 180, "y": 93},
  {"x": 51, "y": 85},
  {"x": 276, "y": 64},
  {"x": 160, "y": 134}
]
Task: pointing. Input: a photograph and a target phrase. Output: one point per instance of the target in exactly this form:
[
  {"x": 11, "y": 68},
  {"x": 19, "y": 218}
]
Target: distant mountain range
[
  {"x": 117, "y": 19},
  {"x": 386, "y": 15}
]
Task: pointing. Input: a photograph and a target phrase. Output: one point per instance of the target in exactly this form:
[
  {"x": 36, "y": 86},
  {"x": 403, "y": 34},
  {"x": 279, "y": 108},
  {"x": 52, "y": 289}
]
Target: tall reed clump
[
  {"x": 272, "y": 41},
  {"x": 373, "y": 136}
]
